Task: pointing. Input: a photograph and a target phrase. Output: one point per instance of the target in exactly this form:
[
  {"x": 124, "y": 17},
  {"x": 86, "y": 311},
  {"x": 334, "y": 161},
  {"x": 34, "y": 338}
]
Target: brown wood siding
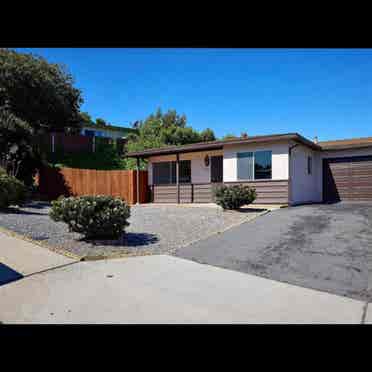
[
  {"x": 203, "y": 193},
  {"x": 347, "y": 179},
  {"x": 168, "y": 193},
  {"x": 164, "y": 193},
  {"x": 54, "y": 182},
  {"x": 268, "y": 192}
]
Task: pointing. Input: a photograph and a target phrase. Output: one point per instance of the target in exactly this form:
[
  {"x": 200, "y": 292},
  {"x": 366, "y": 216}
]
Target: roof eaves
[
  {"x": 346, "y": 146},
  {"x": 219, "y": 144}
]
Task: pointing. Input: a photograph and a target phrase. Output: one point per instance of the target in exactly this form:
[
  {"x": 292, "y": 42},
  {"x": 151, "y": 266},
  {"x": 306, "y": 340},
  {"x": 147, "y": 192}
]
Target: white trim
[{"x": 253, "y": 166}]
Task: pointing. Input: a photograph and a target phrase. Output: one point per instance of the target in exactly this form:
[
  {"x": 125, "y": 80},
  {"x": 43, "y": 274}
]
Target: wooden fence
[{"x": 54, "y": 182}]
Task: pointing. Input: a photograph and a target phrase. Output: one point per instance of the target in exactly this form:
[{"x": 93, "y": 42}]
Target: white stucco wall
[
  {"x": 305, "y": 187},
  {"x": 279, "y": 159}
]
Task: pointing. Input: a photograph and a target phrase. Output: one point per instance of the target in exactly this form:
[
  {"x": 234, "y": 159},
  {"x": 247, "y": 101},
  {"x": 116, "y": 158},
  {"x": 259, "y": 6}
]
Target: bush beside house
[
  {"x": 234, "y": 197},
  {"x": 93, "y": 216},
  {"x": 12, "y": 191}
]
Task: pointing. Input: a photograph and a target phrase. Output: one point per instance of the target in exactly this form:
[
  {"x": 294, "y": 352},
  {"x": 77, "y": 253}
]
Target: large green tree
[
  {"x": 164, "y": 129},
  {"x": 38, "y": 92},
  {"x": 16, "y": 152},
  {"x": 85, "y": 118},
  {"x": 207, "y": 135},
  {"x": 229, "y": 136}
]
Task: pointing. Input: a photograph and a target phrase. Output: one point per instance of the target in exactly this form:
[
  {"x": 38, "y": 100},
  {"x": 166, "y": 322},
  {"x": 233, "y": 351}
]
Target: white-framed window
[
  {"x": 309, "y": 165},
  {"x": 254, "y": 165},
  {"x": 164, "y": 173}
]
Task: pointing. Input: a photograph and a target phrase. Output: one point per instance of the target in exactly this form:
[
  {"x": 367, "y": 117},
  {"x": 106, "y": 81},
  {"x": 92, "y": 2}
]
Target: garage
[{"x": 347, "y": 178}]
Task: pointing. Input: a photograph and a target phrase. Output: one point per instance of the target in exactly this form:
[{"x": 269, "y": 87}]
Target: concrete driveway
[
  {"x": 325, "y": 247},
  {"x": 165, "y": 289}
]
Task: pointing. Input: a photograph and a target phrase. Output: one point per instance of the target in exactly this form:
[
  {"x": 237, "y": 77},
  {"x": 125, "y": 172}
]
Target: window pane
[
  {"x": 185, "y": 171},
  {"x": 161, "y": 173},
  {"x": 245, "y": 165},
  {"x": 173, "y": 172},
  {"x": 262, "y": 165},
  {"x": 309, "y": 164}
]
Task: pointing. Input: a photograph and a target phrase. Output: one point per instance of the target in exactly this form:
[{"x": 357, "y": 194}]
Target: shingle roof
[
  {"x": 344, "y": 144},
  {"x": 214, "y": 145}
]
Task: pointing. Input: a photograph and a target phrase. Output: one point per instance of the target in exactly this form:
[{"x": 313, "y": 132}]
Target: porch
[{"x": 268, "y": 192}]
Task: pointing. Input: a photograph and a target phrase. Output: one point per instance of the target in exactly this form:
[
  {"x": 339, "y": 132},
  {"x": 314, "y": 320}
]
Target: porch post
[
  {"x": 177, "y": 177},
  {"x": 138, "y": 181}
]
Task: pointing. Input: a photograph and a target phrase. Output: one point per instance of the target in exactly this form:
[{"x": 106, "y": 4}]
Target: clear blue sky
[{"x": 323, "y": 92}]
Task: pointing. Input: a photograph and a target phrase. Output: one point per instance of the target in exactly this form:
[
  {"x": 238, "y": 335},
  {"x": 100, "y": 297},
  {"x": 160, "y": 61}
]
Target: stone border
[{"x": 40, "y": 244}]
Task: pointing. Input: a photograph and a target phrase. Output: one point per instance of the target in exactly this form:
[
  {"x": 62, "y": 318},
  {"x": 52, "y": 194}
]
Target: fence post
[
  {"x": 53, "y": 144},
  {"x": 138, "y": 181},
  {"x": 94, "y": 144}
]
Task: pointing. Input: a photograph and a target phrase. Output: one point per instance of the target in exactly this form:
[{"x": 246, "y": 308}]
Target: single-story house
[
  {"x": 106, "y": 131},
  {"x": 283, "y": 168}
]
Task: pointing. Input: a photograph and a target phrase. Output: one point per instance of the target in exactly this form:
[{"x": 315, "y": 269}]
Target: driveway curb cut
[{"x": 222, "y": 231}]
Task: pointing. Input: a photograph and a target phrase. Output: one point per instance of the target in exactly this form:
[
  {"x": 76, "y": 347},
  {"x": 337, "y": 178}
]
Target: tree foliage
[
  {"x": 100, "y": 122},
  {"x": 207, "y": 135},
  {"x": 38, "y": 92},
  {"x": 106, "y": 157},
  {"x": 164, "y": 129},
  {"x": 12, "y": 191},
  {"x": 229, "y": 137},
  {"x": 16, "y": 152},
  {"x": 85, "y": 118}
]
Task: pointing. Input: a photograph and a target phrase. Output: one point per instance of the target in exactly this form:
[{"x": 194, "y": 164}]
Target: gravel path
[{"x": 153, "y": 229}]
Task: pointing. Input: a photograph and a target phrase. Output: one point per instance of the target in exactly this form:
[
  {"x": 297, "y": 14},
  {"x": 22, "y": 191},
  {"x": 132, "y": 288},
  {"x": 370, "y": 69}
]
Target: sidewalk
[
  {"x": 24, "y": 258},
  {"x": 165, "y": 289}
]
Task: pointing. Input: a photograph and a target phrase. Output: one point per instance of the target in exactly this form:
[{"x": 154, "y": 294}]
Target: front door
[{"x": 217, "y": 168}]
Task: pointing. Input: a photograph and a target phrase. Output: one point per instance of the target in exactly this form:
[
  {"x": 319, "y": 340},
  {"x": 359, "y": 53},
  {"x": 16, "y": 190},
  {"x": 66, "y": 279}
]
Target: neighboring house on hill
[
  {"x": 108, "y": 131},
  {"x": 283, "y": 168}
]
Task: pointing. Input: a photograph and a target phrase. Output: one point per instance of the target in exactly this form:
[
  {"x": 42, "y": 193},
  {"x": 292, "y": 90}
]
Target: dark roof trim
[
  {"x": 346, "y": 147},
  {"x": 217, "y": 145},
  {"x": 110, "y": 127}
]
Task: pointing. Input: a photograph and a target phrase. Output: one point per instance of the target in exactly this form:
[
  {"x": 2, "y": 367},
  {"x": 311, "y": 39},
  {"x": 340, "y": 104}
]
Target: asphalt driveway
[{"x": 324, "y": 247}]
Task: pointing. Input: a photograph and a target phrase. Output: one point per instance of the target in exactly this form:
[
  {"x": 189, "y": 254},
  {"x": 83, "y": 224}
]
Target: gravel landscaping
[{"x": 154, "y": 229}]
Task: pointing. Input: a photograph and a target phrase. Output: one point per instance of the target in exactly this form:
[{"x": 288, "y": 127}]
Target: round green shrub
[
  {"x": 235, "y": 196},
  {"x": 93, "y": 216},
  {"x": 12, "y": 191}
]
